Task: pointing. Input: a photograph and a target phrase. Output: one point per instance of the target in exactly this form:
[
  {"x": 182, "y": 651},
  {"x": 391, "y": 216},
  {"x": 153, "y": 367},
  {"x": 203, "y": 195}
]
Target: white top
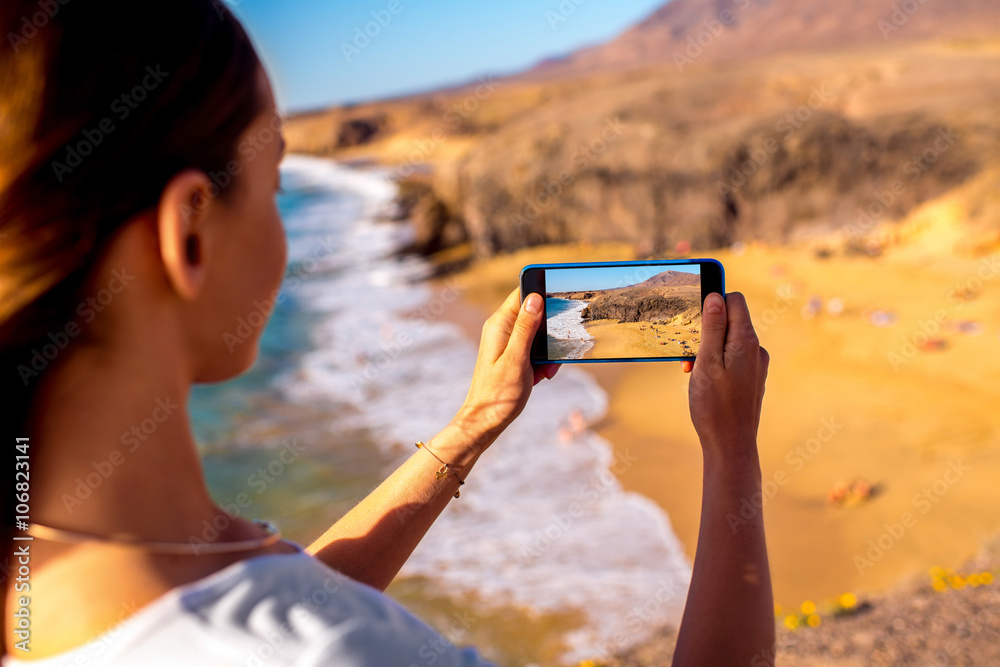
[{"x": 282, "y": 610}]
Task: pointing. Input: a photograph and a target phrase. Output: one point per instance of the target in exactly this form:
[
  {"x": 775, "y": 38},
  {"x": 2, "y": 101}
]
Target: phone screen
[{"x": 624, "y": 311}]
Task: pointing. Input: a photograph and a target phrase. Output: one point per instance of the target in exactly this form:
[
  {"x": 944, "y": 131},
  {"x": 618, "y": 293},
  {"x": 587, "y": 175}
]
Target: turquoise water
[
  {"x": 241, "y": 424},
  {"x": 355, "y": 365}
]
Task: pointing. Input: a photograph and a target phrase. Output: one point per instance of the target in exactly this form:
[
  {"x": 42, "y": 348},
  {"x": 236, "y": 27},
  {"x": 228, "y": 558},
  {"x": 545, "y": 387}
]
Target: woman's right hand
[
  {"x": 504, "y": 375},
  {"x": 727, "y": 383}
]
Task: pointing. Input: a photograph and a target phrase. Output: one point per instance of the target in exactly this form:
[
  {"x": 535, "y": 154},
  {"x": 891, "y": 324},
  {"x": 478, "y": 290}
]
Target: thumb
[
  {"x": 713, "y": 328},
  {"x": 528, "y": 319}
]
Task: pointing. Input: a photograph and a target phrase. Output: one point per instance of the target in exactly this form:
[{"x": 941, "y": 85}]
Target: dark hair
[{"x": 101, "y": 103}]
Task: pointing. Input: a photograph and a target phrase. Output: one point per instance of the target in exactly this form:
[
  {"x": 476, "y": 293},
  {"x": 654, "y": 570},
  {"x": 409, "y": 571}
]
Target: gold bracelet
[{"x": 444, "y": 469}]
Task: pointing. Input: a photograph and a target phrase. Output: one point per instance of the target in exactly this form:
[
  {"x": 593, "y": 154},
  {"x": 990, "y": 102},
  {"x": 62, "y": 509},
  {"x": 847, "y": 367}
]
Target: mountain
[
  {"x": 799, "y": 118},
  {"x": 686, "y": 32},
  {"x": 671, "y": 279}
]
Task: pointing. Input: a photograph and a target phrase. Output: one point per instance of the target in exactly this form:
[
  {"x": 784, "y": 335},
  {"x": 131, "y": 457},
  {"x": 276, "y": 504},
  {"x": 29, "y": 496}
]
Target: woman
[{"x": 140, "y": 152}]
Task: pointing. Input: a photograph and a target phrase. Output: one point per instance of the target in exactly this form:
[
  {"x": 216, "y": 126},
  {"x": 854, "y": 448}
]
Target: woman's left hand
[{"x": 504, "y": 376}]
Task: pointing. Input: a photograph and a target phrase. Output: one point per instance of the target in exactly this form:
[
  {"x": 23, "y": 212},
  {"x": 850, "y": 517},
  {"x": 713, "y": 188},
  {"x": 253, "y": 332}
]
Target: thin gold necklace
[{"x": 195, "y": 546}]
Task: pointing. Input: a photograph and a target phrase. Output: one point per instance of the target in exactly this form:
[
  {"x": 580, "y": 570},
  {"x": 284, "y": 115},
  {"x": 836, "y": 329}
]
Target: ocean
[
  {"x": 544, "y": 558},
  {"x": 567, "y": 337}
]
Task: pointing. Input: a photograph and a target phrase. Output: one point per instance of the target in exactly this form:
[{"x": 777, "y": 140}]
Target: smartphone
[{"x": 621, "y": 311}]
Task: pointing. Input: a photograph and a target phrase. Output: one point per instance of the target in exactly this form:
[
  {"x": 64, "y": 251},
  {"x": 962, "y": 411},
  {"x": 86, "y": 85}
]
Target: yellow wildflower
[{"x": 847, "y": 600}]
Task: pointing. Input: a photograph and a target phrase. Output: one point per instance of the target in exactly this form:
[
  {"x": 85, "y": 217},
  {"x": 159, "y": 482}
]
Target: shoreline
[{"x": 830, "y": 428}]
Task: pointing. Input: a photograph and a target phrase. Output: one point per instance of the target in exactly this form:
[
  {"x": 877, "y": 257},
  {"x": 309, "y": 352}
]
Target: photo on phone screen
[{"x": 624, "y": 311}]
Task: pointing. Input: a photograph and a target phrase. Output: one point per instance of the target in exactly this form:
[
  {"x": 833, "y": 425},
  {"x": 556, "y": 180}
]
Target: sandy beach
[
  {"x": 614, "y": 339},
  {"x": 896, "y": 388}
]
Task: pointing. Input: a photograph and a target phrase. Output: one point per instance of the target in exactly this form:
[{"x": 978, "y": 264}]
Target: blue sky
[
  {"x": 573, "y": 280},
  {"x": 424, "y": 45}
]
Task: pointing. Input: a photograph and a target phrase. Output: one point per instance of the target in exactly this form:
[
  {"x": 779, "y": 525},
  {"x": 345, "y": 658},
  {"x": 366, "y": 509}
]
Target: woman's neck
[{"x": 112, "y": 446}]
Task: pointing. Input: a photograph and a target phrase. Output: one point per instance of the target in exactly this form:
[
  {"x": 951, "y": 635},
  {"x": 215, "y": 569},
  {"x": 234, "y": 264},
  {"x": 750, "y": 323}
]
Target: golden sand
[
  {"x": 636, "y": 340},
  {"x": 845, "y": 399}
]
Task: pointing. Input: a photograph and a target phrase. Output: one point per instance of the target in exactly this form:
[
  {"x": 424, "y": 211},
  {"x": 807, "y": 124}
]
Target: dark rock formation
[
  {"x": 766, "y": 182},
  {"x": 359, "y": 131},
  {"x": 435, "y": 226},
  {"x": 643, "y": 305}
]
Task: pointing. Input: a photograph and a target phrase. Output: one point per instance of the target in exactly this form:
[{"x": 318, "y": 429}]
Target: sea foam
[{"x": 542, "y": 522}]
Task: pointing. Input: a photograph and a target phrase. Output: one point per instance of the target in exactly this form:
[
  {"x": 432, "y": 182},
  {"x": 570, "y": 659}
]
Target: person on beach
[{"x": 140, "y": 151}]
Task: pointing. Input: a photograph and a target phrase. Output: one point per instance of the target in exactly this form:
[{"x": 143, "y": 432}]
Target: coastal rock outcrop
[
  {"x": 660, "y": 183},
  {"x": 645, "y": 306}
]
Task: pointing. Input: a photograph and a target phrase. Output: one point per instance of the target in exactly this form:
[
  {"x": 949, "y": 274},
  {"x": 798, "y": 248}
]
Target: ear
[{"x": 183, "y": 207}]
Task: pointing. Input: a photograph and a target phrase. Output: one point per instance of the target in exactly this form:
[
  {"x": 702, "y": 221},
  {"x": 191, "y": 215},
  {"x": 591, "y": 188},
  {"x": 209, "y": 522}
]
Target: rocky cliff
[
  {"x": 645, "y": 305},
  {"x": 765, "y": 147},
  {"x": 652, "y": 178}
]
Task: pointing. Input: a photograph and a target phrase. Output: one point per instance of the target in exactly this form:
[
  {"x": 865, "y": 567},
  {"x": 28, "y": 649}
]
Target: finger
[
  {"x": 740, "y": 325},
  {"x": 765, "y": 361},
  {"x": 687, "y": 366},
  {"x": 497, "y": 330},
  {"x": 546, "y": 372},
  {"x": 525, "y": 326},
  {"x": 713, "y": 330}
]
